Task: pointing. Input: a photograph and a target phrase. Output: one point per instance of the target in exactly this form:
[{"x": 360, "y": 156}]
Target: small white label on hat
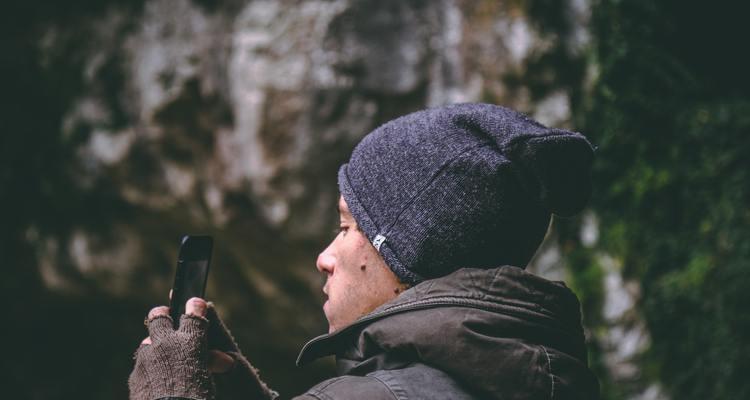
[{"x": 379, "y": 239}]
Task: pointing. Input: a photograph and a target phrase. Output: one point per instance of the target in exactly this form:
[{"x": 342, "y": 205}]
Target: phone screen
[{"x": 193, "y": 262}]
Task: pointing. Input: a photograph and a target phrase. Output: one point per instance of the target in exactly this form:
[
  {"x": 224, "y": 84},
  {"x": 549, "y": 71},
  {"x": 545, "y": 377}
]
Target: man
[{"x": 427, "y": 297}]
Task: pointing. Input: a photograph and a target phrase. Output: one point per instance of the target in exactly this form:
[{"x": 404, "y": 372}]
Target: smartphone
[{"x": 193, "y": 261}]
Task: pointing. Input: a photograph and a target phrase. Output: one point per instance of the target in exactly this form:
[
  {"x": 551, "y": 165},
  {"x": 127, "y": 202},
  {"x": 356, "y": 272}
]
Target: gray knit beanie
[{"x": 466, "y": 185}]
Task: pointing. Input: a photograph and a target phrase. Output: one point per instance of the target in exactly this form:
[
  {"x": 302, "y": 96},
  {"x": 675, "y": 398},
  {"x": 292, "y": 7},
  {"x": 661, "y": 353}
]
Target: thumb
[{"x": 219, "y": 362}]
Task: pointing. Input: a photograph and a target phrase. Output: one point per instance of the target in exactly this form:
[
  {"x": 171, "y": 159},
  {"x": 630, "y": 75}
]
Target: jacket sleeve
[{"x": 349, "y": 388}]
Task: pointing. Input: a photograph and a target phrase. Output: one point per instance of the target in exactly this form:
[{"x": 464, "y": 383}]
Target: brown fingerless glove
[
  {"x": 175, "y": 363},
  {"x": 242, "y": 381}
]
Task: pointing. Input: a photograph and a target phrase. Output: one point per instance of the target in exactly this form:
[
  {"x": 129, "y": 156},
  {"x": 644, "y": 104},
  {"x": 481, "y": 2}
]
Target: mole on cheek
[{"x": 363, "y": 267}]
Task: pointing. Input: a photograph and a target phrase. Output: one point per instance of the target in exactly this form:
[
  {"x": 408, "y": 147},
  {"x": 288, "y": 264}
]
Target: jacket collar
[{"x": 505, "y": 290}]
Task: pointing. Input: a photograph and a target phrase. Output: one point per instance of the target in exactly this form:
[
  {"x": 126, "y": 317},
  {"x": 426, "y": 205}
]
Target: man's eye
[{"x": 340, "y": 229}]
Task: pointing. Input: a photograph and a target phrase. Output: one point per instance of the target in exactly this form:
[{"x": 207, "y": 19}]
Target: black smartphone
[{"x": 190, "y": 278}]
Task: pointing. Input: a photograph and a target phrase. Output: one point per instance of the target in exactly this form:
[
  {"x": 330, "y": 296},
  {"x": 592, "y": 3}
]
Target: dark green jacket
[{"x": 501, "y": 333}]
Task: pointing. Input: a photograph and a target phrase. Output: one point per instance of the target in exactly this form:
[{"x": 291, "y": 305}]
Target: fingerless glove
[{"x": 175, "y": 363}]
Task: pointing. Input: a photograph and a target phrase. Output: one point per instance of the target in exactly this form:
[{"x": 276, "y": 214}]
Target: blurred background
[{"x": 126, "y": 124}]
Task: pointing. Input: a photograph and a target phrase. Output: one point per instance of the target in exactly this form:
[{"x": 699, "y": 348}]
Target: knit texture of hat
[{"x": 466, "y": 185}]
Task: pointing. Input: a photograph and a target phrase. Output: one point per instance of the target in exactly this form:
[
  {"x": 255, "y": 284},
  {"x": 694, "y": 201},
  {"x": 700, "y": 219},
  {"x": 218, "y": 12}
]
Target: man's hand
[
  {"x": 199, "y": 360},
  {"x": 174, "y": 363},
  {"x": 218, "y": 361}
]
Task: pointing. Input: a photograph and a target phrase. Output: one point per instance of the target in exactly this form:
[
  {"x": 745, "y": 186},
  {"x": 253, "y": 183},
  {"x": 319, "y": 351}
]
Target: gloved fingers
[
  {"x": 195, "y": 311},
  {"x": 158, "y": 311},
  {"x": 159, "y": 322},
  {"x": 194, "y": 325}
]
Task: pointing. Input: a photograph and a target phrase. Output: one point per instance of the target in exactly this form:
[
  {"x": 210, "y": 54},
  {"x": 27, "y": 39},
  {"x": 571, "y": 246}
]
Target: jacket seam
[
  {"x": 551, "y": 376},
  {"x": 387, "y": 386},
  {"x": 319, "y": 396},
  {"x": 329, "y": 383}
]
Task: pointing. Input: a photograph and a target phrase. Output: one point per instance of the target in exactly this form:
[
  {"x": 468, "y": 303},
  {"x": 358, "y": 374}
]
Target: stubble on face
[{"x": 358, "y": 280}]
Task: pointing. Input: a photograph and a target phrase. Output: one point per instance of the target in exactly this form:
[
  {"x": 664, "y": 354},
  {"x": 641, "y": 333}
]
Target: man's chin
[{"x": 331, "y": 328}]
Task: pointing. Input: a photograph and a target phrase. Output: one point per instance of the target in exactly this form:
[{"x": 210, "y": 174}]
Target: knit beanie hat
[{"x": 465, "y": 185}]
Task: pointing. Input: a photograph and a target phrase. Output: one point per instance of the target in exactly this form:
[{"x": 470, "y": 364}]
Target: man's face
[{"x": 358, "y": 280}]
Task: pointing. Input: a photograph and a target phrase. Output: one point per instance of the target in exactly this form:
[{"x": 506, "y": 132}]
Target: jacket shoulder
[
  {"x": 419, "y": 381},
  {"x": 349, "y": 387},
  {"x": 416, "y": 381}
]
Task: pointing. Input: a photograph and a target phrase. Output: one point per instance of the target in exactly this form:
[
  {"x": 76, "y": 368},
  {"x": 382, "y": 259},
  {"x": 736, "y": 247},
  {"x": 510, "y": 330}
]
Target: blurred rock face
[
  {"x": 248, "y": 109},
  {"x": 232, "y": 120}
]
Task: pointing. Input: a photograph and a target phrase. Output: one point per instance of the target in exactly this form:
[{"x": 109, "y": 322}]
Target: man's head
[
  {"x": 465, "y": 185},
  {"x": 358, "y": 280}
]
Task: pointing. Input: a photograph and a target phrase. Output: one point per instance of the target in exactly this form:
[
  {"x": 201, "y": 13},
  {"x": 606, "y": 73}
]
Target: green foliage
[{"x": 670, "y": 113}]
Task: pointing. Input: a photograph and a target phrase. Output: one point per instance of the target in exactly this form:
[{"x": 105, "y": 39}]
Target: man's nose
[{"x": 326, "y": 262}]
